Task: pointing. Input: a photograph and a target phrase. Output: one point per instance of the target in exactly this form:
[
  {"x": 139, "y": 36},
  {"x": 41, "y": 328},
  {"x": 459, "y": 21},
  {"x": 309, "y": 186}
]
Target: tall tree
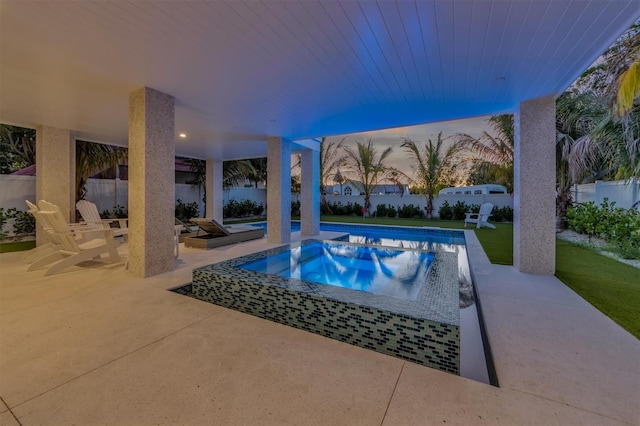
[
  {"x": 612, "y": 88},
  {"x": 430, "y": 161},
  {"x": 258, "y": 171},
  {"x": 92, "y": 158},
  {"x": 396, "y": 177},
  {"x": 368, "y": 168},
  {"x": 331, "y": 158},
  {"x": 491, "y": 154},
  {"x": 339, "y": 179},
  {"x": 17, "y": 148}
]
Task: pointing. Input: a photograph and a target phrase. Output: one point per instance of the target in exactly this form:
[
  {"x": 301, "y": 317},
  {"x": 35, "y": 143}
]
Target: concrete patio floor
[{"x": 95, "y": 346}]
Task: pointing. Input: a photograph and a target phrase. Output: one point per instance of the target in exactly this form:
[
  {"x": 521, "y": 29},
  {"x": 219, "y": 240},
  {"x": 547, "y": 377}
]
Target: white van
[{"x": 474, "y": 190}]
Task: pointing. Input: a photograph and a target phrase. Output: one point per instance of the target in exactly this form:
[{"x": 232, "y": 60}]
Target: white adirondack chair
[
  {"x": 68, "y": 250},
  {"x": 48, "y": 247},
  {"x": 90, "y": 214},
  {"x": 43, "y": 249},
  {"x": 481, "y": 218}
]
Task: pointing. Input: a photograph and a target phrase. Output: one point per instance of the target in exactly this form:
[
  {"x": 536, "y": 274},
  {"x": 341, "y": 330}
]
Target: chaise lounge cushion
[{"x": 217, "y": 235}]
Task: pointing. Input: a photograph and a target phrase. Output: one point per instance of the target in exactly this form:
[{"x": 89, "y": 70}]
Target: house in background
[{"x": 352, "y": 189}]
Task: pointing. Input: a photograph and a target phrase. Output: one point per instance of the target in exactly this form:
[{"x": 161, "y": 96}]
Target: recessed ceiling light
[{"x": 183, "y": 135}]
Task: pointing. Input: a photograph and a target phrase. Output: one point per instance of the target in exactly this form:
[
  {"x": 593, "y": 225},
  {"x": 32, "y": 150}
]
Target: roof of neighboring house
[{"x": 27, "y": 171}]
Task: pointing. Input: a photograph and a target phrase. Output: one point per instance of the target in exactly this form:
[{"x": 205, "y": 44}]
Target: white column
[
  {"x": 56, "y": 171},
  {"x": 534, "y": 239},
  {"x": 310, "y": 193},
  {"x": 213, "y": 189},
  {"x": 151, "y": 182},
  {"x": 278, "y": 190}
]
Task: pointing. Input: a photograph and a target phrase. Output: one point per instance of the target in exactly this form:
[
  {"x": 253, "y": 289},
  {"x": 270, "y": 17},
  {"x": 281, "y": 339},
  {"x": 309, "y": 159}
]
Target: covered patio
[
  {"x": 232, "y": 79},
  {"x": 245, "y": 79}
]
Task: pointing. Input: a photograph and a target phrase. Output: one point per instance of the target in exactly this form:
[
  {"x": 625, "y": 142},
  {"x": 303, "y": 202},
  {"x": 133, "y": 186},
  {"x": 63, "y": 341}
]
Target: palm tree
[
  {"x": 430, "y": 163},
  {"x": 257, "y": 172},
  {"x": 628, "y": 89},
  {"x": 394, "y": 176},
  {"x": 368, "y": 168},
  {"x": 236, "y": 172},
  {"x": 612, "y": 85},
  {"x": 492, "y": 155},
  {"x": 331, "y": 158},
  {"x": 339, "y": 179},
  {"x": 92, "y": 158}
]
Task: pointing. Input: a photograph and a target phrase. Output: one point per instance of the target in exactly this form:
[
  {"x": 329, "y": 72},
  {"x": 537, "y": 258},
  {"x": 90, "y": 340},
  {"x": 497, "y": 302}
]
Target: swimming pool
[
  {"x": 396, "y": 273},
  {"x": 423, "y": 328},
  {"x": 289, "y": 307}
]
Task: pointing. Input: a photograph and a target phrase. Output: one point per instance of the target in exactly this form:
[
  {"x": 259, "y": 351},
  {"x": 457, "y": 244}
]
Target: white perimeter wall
[
  {"x": 624, "y": 193},
  {"x": 105, "y": 193},
  {"x": 420, "y": 200},
  {"x": 108, "y": 193}
]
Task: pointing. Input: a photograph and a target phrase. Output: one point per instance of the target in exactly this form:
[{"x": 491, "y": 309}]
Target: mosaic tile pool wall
[{"x": 425, "y": 331}]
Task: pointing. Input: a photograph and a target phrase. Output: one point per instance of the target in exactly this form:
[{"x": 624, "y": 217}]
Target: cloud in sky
[{"x": 421, "y": 133}]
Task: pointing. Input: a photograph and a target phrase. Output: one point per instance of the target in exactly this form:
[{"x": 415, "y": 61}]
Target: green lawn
[
  {"x": 609, "y": 285},
  {"x": 18, "y": 246}
]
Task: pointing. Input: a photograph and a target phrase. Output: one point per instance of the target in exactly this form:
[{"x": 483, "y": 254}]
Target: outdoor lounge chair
[
  {"x": 481, "y": 218},
  {"x": 67, "y": 249},
  {"x": 217, "y": 235},
  {"x": 43, "y": 249},
  {"x": 48, "y": 247},
  {"x": 91, "y": 216}
]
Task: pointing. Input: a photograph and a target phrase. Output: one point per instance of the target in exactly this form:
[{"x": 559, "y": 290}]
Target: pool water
[{"x": 390, "y": 272}]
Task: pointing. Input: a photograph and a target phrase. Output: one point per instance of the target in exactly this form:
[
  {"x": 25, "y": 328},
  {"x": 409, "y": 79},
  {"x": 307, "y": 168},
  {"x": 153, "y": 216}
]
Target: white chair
[
  {"x": 481, "y": 218},
  {"x": 68, "y": 250},
  {"x": 43, "y": 249},
  {"x": 90, "y": 214},
  {"x": 48, "y": 247}
]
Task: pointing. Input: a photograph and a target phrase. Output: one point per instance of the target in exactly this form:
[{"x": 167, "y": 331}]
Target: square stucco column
[
  {"x": 534, "y": 239},
  {"x": 151, "y": 182},
  {"x": 278, "y": 190},
  {"x": 310, "y": 193},
  {"x": 213, "y": 188},
  {"x": 56, "y": 171}
]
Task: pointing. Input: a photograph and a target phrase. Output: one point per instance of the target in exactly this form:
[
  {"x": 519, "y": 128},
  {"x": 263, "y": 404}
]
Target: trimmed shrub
[
  {"x": 23, "y": 223},
  {"x": 460, "y": 210},
  {"x": 182, "y": 211},
  {"x": 410, "y": 211},
  {"x": 118, "y": 212},
  {"x": 381, "y": 210},
  {"x": 391, "y": 212},
  {"x": 618, "y": 226},
  {"x": 445, "y": 212},
  {"x": 502, "y": 214},
  {"x": 242, "y": 208}
]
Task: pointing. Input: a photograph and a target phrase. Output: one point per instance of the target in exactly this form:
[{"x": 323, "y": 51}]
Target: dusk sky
[{"x": 421, "y": 133}]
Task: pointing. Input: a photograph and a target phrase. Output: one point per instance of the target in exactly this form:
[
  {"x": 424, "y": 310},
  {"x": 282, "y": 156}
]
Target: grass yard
[
  {"x": 609, "y": 285},
  {"x": 17, "y": 246}
]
